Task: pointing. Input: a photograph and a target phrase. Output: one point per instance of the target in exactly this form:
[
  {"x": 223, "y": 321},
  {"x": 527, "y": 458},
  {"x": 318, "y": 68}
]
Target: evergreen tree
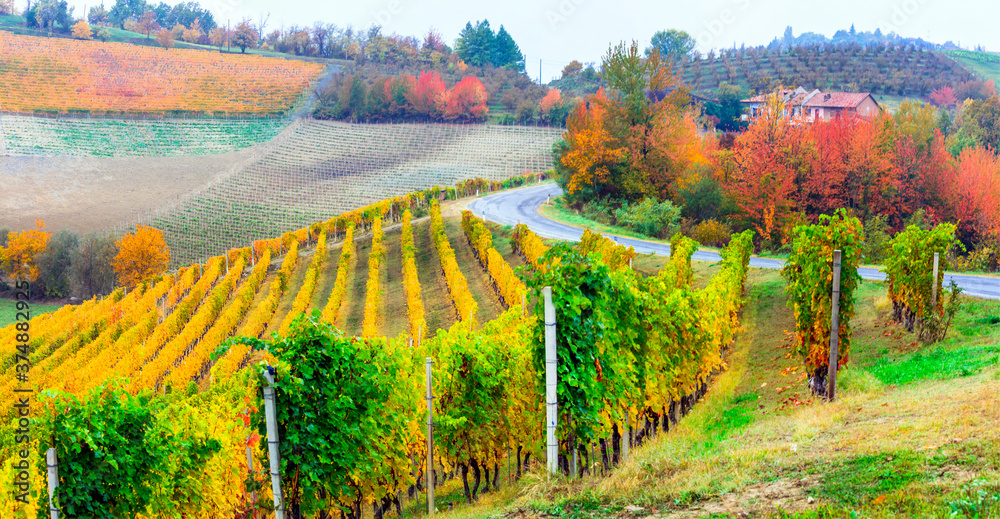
[
  {"x": 476, "y": 44},
  {"x": 507, "y": 53}
]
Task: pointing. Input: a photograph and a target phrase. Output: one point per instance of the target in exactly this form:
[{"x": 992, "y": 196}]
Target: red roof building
[{"x": 801, "y": 105}]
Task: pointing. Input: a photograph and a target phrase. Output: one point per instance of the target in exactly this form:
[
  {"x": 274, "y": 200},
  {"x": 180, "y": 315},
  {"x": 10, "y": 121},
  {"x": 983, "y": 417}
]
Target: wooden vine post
[
  {"x": 831, "y": 388},
  {"x": 271, "y": 416},
  {"x": 551, "y": 381}
]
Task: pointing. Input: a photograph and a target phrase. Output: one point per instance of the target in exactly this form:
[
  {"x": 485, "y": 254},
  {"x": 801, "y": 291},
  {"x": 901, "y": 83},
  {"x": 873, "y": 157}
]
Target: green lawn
[{"x": 8, "y": 311}]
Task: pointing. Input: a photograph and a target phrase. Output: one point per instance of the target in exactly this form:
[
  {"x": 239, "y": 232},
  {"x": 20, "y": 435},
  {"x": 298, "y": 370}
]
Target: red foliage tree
[
  {"x": 427, "y": 95},
  {"x": 975, "y": 193},
  {"x": 944, "y": 96},
  {"x": 467, "y": 100}
]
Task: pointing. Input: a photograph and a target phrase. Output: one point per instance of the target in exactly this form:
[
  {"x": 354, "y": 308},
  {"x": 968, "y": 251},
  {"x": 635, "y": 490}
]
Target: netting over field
[
  {"x": 29, "y": 135},
  {"x": 318, "y": 169},
  {"x": 54, "y": 75}
]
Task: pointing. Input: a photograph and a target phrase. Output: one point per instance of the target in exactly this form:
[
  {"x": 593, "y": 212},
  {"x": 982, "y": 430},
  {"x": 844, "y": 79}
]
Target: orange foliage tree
[
  {"x": 18, "y": 257},
  {"x": 633, "y": 140},
  {"x": 82, "y": 31},
  {"x": 591, "y": 151},
  {"x": 763, "y": 169},
  {"x": 467, "y": 100},
  {"x": 552, "y": 99},
  {"x": 141, "y": 255}
]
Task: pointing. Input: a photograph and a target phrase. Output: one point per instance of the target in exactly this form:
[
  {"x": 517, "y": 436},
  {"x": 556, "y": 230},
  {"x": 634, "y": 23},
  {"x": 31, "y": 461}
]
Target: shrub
[
  {"x": 712, "y": 232},
  {"x": 650, "y": 217}
]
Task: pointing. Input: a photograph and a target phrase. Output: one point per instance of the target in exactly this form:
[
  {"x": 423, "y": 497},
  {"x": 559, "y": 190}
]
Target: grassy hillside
[{"x": 986, "y": 65}]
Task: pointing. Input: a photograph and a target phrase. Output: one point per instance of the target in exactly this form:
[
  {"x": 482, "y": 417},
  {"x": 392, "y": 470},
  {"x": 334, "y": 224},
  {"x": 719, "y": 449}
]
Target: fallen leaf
[{"x": 879, "y": 500}]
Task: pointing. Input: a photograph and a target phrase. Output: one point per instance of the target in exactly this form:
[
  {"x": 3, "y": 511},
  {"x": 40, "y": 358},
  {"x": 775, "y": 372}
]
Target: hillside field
[{"x": 75, "y": 76}]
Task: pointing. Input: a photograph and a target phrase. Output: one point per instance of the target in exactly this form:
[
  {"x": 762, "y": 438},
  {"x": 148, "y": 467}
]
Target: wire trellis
[{"x": 316, "y": 170}]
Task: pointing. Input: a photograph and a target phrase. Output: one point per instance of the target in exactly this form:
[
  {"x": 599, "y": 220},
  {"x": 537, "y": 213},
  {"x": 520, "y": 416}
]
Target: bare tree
[{"x": 263, "y": 23}]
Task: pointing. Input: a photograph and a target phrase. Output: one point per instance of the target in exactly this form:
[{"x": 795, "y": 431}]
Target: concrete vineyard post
[
  {"x": 430, "y": 438},
  {"x": 625, "y": 438},
  {"x": 53, "y": 476},
  {"x": 934, "y": 283},
  {"x": 831, "y": 388},
  {"x": 551, "y": 381},
  {"x": 271, "y": 416},
  {"x": 253, "y": 495}
]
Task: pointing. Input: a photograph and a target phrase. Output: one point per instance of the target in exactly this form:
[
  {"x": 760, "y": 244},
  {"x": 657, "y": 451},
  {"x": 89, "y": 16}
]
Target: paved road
[{"x": 521, "y": 206}]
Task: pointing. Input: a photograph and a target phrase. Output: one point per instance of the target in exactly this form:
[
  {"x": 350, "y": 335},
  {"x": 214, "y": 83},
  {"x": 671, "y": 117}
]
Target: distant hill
[{"x": 879, "y": 69}]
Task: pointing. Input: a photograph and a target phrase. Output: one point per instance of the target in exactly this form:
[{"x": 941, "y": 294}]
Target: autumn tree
[
  {"x": 763, "y": 169},
  {"x": 975, "y": 194},
  {"x": 19, "y": 257},
  {"x": 427, "y": 95},
  {"x": 165, "y": 38},
  {"x": 141, "y": 255},
  {"x": 574, "y": 68},
  {"x": 944, "y": 96},
  {"x": 82, "y": 31},
  {"x": 641, "y": 122},
  {"x": 147, "y": 24},
  {"x": 245, "y": 36},
  {"x": 549, "y": 106},
  {"x": 588, "y": 152},
  {"x": 466, "y": 100},
  {"x": 193, "y": 34},
  {"x": 647, "y": 112},
  {"x": 218, "y": 37}
]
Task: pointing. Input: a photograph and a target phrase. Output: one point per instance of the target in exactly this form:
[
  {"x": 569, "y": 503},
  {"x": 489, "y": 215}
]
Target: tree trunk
[
  {"x": 496, "y": 474},
  {"x": 465, "y": 482},
  {"x": 518, "y": 476},
  {"x": 477, "y": 475},
  {"x": 604, "y": 455},
  {"x": 486, "y": 480},
  {"x": 527, "y": 461}
]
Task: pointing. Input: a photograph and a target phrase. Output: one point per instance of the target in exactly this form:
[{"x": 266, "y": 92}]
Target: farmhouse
[{"x": 816, "y": 105}]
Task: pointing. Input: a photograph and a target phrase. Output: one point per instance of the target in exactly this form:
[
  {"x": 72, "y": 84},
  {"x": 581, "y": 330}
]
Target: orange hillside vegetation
[{"x": 56, "y": 76}]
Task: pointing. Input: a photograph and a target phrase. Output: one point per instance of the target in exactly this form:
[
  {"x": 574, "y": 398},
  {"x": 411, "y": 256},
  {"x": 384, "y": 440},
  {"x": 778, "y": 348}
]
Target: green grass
[
  {"x": 8, "y": 311},
  {"x": 891, "y": 103},
  {"x": 936, "y": 363},
  {"x": 985, "y": 65},
  {"x": 862, "y": 479}
]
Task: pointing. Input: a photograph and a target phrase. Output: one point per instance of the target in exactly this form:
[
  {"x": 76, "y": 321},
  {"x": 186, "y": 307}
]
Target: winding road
[{"x": 521, "y": 206}]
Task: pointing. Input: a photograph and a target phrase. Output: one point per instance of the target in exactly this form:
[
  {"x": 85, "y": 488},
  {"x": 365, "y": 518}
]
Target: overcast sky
[{"x": 558, "y": 31}]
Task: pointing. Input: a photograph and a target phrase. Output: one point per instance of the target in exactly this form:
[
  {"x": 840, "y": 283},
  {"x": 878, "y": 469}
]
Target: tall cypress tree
[{"x": 507, "y": 53}]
